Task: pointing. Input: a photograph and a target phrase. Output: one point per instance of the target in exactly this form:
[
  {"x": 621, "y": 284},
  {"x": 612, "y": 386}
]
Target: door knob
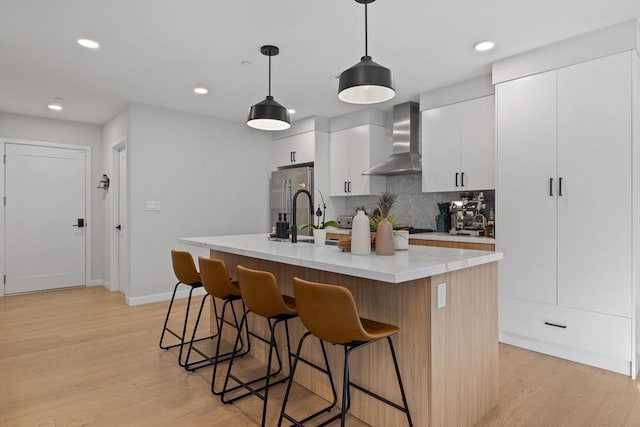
[
  {"x": 118, "y": 227},
  {"x": 80, "y": 223}
]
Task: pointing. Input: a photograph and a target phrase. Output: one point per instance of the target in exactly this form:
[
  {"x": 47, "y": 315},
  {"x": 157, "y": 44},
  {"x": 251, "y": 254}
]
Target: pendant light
[
  {"x": 269, "y": 114},
  {"x": 367, "y": 82}
]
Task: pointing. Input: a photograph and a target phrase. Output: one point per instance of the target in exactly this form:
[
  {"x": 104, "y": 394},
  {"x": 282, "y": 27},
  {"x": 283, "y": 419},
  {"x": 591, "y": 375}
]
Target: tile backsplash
[{"x": 412, "y": 207}]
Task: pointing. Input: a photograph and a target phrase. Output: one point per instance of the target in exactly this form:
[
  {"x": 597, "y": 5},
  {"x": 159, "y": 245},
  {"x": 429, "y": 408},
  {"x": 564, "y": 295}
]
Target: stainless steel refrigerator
[{"x": 284, "y": 184}]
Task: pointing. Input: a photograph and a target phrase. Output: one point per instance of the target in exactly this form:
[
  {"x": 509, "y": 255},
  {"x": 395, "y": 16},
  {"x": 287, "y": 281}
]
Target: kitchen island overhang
[
  {"x": 415, "y": 263},
  {"x": 447, "y": 349}
]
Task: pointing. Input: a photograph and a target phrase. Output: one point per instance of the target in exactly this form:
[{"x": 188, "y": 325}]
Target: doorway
[
  {"x": 46, "y": 213},
  {"x": 119, "y": 214}
]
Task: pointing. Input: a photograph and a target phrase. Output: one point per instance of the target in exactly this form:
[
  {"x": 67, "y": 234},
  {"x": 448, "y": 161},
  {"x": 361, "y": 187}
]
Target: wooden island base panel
[{"x": 448, "y": 356}]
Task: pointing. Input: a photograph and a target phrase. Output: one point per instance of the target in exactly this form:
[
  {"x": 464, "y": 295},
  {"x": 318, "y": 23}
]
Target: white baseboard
[
  {"x": 620, "y": 366},
  {"x": 148, "y": 299},
  {"x": 95, "y": 282}
]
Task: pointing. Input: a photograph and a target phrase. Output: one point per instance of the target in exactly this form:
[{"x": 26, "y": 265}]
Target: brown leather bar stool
[
  {"x": 186, "y": 273},
  {"x": 329, "y": 312},
  {"x": 262, "y": 297},
  {"x": 218, "y": 284}
]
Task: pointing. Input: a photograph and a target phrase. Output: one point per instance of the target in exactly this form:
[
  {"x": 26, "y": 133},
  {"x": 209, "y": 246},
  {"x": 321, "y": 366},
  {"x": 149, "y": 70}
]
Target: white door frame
[
  {"x": 116, "y": 147},
  {"x": 87, "y": 199}
]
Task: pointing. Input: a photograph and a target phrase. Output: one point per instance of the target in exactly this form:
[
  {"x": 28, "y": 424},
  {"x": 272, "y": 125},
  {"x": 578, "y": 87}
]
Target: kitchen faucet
[{"x": 294, "y": 208}]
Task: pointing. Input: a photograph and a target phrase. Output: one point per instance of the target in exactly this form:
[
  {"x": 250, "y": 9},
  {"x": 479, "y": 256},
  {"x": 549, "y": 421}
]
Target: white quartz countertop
[
  {"x": 445, "y": 237},
  {"x": 416, "y": 263}
]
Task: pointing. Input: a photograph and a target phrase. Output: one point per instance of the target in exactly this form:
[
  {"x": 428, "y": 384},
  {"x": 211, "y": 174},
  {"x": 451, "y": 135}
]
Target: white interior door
[
  {"x": 123, "y": 249},
  {"x": 45, "y": 241}
]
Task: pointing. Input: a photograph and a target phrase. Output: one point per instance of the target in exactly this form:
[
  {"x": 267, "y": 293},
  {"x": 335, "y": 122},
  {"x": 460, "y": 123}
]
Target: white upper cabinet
[
  {"x": 351, "y": 152},
  {"x": 458, "y": 147},
  {"x": 294, "y": 149}
]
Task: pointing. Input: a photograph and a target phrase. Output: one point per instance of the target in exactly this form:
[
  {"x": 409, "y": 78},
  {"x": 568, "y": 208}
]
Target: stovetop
[{"x": 414, "y": 230}]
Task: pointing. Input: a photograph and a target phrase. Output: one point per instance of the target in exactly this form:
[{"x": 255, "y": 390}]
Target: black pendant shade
[
  {"x": 268, "y": 114},
  {"x": 367, "y": 82}
]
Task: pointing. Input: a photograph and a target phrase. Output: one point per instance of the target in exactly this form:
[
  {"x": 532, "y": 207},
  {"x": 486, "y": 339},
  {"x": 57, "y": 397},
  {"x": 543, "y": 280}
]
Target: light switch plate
[
  {"x": 442, "y": 295},
  {"x": 153, "y": 205}
]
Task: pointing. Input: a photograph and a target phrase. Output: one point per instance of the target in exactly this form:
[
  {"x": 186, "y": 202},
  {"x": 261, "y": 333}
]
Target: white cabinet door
[
  {"x": 294, "y": 149},
  {"x": 526, "y": 210},
  {"x": 477, "y": 144},
  {"x": 351, "y": 152},
  {"x": 458, "y": 146},
  {"x": 339, "y": 153},
  {"x": 359, "y": 161},
  {"x": 594, "y": 162},
  {"x": 441, "y": 148}
]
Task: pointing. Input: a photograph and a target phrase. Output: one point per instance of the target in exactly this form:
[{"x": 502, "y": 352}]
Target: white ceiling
[{"x": 156, "y": 52}]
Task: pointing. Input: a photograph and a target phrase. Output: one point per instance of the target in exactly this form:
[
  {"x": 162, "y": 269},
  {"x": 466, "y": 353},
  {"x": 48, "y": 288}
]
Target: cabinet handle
[
  {"x": 457, "y": 179},
  {"x": 291, "y": 156},
  {"x": 556, "y": 325},
  {"x": 349, "y": 186},
  {"x": 294, "y": 156},
  {"x": 345, "y": 186},
  {"x": 551, "y": 186},
  {"x": 462, "y": 179},
  {"x": 560, "y": 186}
]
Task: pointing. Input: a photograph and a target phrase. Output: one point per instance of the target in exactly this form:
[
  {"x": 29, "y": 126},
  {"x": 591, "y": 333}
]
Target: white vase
[
  {"x": 401, "y": 239},
  {"x": 319, "y": 236},
  {"x": 360, "y": 235}
]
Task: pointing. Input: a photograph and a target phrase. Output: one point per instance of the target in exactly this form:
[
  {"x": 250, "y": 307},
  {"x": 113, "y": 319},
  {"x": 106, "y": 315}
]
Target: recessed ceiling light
[
  {"x": 292, "y": 111},
  {"x": 88, "y": 43},
  {"x": 201, "y": 90},
  {"x": 484, "y": 45},
  {"x": 55, "y": 105}
]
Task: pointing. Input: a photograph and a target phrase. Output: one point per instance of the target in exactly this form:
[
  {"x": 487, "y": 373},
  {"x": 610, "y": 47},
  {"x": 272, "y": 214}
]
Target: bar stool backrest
[
  {"x": 184, "y": 267},
  {"x": 261, "y": 294},
  {"x": 215, "y": 277},
  {"x": 329, "y": 312}
]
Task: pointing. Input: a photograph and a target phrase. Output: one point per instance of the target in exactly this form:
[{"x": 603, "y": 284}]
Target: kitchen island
[{"x": 448, "y": 341}]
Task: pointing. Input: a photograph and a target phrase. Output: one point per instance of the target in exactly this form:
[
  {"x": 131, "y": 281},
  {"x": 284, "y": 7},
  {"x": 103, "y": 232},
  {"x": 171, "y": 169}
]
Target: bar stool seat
[
  {"x": 186, "y": 273},
  {"x": 261, "y": 295},
  {"x": 329, "y": 312},
  {"x": 218, "y": 284}
]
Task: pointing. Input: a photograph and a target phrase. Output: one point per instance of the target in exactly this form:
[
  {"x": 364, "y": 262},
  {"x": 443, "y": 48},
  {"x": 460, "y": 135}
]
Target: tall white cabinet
[{"x": 567, "y": 217}]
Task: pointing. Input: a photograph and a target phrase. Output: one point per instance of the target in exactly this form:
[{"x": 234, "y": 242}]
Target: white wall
[
  {"x": 74, "y": 133},
  {"x": 210, "y": 176}
]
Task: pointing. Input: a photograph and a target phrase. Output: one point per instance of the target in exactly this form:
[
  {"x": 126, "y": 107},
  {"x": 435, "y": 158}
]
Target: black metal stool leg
[
  {"x": 272, "y": 344},
  {"x": 166, "y": 320},
  {"x": 395, "y": 365},
  {"x": 187, "y": 365},
  {"x": 226, "y": 356},
  {"x": 345, "y": 388},
  {"x": 297, "y": 359}
]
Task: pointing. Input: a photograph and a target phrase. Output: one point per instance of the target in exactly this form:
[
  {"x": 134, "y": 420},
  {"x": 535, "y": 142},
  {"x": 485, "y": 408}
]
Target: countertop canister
[{"x": 360, "y": 235}]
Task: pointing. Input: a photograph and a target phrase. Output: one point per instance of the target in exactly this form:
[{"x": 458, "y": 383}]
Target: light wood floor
[{"x": 81, "y": 357}]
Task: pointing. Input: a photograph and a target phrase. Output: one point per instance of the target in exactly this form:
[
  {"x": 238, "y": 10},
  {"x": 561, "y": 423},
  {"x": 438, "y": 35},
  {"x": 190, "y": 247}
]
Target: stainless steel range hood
[{"x": 406, "y": 157}]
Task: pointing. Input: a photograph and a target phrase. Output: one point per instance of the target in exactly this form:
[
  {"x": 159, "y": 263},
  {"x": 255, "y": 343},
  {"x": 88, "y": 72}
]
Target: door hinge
[
  {"x": 4, "y": 280},
  {"x": 4, "y": 200},
  {"x": 4, "y": 159}
]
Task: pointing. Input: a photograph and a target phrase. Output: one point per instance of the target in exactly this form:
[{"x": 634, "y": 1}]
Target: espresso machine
[{"x": 467, "y": 217}]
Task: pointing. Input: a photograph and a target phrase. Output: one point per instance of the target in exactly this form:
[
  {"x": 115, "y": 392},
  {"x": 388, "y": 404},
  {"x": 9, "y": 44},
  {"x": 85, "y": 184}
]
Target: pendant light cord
[
  {"x": 366, "y": 31},
  {"x": 269, "y": 75}
]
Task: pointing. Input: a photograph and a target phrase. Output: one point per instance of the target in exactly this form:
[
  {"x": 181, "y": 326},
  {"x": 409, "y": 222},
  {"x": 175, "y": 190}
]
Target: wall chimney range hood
[{"x": 405, "y": 158}]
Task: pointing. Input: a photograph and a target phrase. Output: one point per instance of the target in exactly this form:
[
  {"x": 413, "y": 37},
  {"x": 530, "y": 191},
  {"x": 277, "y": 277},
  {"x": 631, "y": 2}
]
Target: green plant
[
  {"x": 385, "y": 203},
  {"x": 383, "y": 210},
  {"x": 320, "y": 213},
  {"x": 377, "y": 217}
]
